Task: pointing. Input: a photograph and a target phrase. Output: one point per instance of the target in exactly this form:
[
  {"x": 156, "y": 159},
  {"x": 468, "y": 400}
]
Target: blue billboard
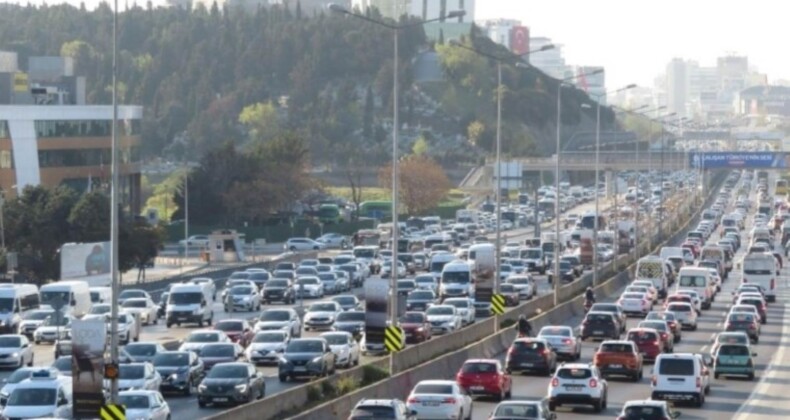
[{"x": 730, "y": 160}]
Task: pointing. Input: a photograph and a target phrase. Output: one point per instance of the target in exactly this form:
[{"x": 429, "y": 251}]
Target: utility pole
[{"x": 114, "y": 210}]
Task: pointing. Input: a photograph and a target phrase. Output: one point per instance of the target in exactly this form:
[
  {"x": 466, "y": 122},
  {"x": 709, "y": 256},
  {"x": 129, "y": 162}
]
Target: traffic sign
[
  {"x": 498, "y": 304},
  {"x": 393, "y": 339},
  {"x": 111, "y": 371},
  {"x": 112, "y": 412}
]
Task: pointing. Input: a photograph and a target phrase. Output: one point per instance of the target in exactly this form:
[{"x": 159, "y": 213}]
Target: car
[
  {"x": 20, "y": 375},
  {"x": 144, "y": 351},
  {"x": 15, "y": 351},
  {"x": 181, "y": 371},
  {"x": 440, "y": 399},
  {"x": 578, "y": 383},
  {"x": 647, "y": 284},
  {"x": 321, "y": 315},
  {"x": 600, "y": 325},
  {"x": 647, "y": 340},
  {"x": 647, "y": 409},
  {"x": 443, "y": 318},
  {"x": 278, "y": 290},
  {"x": 309, "y": 287},
  {"x": 734, "y": 359},
  {"x": 267, "y": 346},
  {"x": 685, "y": 313},
  {"x": 280, "y": 319},
  {"x": 386, "y": 268},
  {"x": 566, "y": 272},
  {"x": 138, "y": 376},
  {"x": 465, "y": 307},
  {"x": 563, "y": 340},
  {"x": 757, "y": 303},
  {"x": 236, "y": 329},
  {"x": 352, "y": 322},
  {"x": 531, "y": 355},
  {"x": 696, "y": 300},
  {"x": 664, "y": 331},
  {"x": 215, "y": 353},
  {"x": 334, "y": 240},
  {"x": 426, "y": 282},
  {"x": 145, "y": 308},
  {"x": 745, "y": 322},
  {"x": 415, "y": 326},
  {"x": 345, "y": 347},
  {"x": 485, "y": 377},
  {"x": 196, "y": 241},
  {"x": 575, "y": 262},
  {"x": 130, "y": 294},
  {"x": 420, "y": 300},
  {"x": 524, "y": 284},
  {"x": 302, "y": 244},
  {"x": 382, "y": 409},
  {"x": 733, "y": 337},
  {"x": 619, "y": 357},
  {"x": 55, "y": 327},
  {"x": 523, "y": 410},
  {"x": 613, "y": 308},
  {"x": 347, "y": 302},
  {"x": 32, "y": 320},
  {"x": 140, "y": 404},
  {"x": 196, "y": 340},
  {"x": 306, "y": 357},
  {"x": 231, "y": 383},
  {"x": 680, "y": 377},
  {"x": 635, "y": 303},
  {"x": 243, "y": 297},
  {"x": 671, "y": 320}
]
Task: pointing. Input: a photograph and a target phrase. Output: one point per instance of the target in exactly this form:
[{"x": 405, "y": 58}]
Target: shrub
[
  {"x": 372, "y": 374},
  {"x": 507, "y": 323},
  {"x": 345, "y": 385}
]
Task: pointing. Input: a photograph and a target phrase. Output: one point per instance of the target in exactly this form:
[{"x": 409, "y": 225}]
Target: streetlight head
[
  {"x": 547, "y": 47},
  {"x": 334, "y": 7},
  {"x": 594, "y": 72},
  {"x": 631, "y": 86},
  {"x": 456, "y": 14}
]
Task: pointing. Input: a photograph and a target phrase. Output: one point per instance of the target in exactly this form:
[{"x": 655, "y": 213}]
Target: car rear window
[
  {"x": 679, "y": 308},
  {"x": 373, "y": 413},
  {"x": 599, "y": 318},
  {"x": 528, "y": 346},
  {"x": 643, "y": 413},
  {"x": 478, "y": 368},
  {"x": 574, "y": 373},
  {"x": 640, "y": 336},
  {"x": 433, "y": 389},
  {"x": 676, "y": 367},
  {"x": 730, "y": 350},
  {"x": 740, "y": 317},
  {"x": 617, "y": 348}
]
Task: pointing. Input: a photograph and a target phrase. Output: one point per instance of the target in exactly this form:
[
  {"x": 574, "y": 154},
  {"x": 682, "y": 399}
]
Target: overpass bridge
[{"x": 609, "y": 161}]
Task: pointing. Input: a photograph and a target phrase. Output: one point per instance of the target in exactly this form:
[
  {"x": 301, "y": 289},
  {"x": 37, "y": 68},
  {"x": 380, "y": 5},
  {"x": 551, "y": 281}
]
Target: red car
[
  {"x": 647, "y": 340},
  {"x": 416, "y": 327},
  {"x": 694, "y": 247},
  {"x": 485, "y": 377},
  {"x": 235, "y": 329}
]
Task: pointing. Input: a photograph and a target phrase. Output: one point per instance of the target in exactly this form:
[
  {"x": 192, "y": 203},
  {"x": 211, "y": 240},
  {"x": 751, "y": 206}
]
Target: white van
[
  {"x": 101, "y": 294},
  {"x": 16, "y": 300},
  {"x": 43, "y": 395},
  {"x": 438, "y": 262},
  {"x": 654, "y": 269},
  {"x": 699, "y": 280},
  {"x": 75, "y": 295},
  {"x": 760, "y": 269},
  {"x": 189, "y": 303},
  {"x": 456, "y": 280},
  {"x": 716, "y": 253},
  {"x": 680, "y": 377}
]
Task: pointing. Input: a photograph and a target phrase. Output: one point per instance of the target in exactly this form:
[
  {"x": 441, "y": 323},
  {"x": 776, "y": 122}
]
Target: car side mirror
[
  {"x": 203, "y": 303},
  {"x": 327, "y": 350},
  {"x": 62, "y": 401},
  {"x": 754, "y": 354},
  {"x": 73, "y": 302},
  {"x": 413, "y": 412}
]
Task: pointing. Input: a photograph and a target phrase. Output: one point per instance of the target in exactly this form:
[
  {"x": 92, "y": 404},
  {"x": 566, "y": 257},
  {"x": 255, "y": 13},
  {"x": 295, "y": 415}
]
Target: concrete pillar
[{"x": 609, "y": 180}]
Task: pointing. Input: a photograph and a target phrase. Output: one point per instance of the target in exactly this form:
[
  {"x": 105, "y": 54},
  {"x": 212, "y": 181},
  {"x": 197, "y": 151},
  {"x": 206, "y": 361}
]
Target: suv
[
  {"x": 305, "y": 357},
  {"x": 647, "y": 409},
  {"x": 578, "y": 383},
  {"x": 600, "y": 325},
  {"x": 529, "y": 355},
  {"x": 278, "y": 290},
  {"x": 680, "y": 377},
  {"x": 382, "y": 409},
  {"x": 618, "y": 357},
  {"x": 614, "y": 309}
]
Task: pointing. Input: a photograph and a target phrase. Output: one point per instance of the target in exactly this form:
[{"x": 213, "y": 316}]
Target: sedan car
[
  {"x": 267, "y": 346},
  {"x": 525, "y": 286},
  {"x": 15, "y": 351},
  {"x": 523, "y": 410},
  {"x": 347, "y": 302},
  {"x": 145, "y": 308},
  {"x": 344, "y": 346},
  {"x": 302, "y": 244},
  {"x": 309, "y": 287},
  {"x": 181, "y": 371},
  {"x": 144, "y": 351},
  {"x": 231, "y": 383},
  {"x": 352, "y": 322},
  {"x": 439, "y": 399},
  {"x": 485, "y": 377},
  {"x": 671, "y": 319},
  {"x": 443, "y": 318},
  {"x": 321, "y": 315},
  {"x": 53, "y": 328},
  {"x": 196, "y": 340},
  {"x": 563, "y": 340},
  {"x": 280, "y": 319},
  {"x": 138, "y": 376},
  {"x": 416, "y": 327},
  {"x": 130, "y": 294},
  {"x": 242, "y": 298},
  {"x": 635, "y": 303},
  {"x": 306, "y": 357},
  {"x": 140, "y": 404},
  {"x": 420, "y": 300},
  {"x": 334, "y": 240},
  {"x": 465, "y": 307}
]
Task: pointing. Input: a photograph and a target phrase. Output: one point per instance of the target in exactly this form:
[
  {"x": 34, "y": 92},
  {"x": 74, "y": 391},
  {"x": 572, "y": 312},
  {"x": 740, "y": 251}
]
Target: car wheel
[
  {"x": 598, "y": 406},
  {"x": 201, "y": 404},
  {"x": 30, "y": 363}
]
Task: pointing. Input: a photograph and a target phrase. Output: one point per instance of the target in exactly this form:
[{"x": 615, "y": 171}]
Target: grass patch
[
  {"x": 454, "y": 196},
  {"x": 345, "y": 385},
  {"x": 507, "y": 323},
  {"x": 372, "y": 374}
]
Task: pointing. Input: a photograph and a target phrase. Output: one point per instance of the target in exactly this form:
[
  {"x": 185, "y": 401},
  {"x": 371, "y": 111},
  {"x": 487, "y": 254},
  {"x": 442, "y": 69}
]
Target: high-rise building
[
  {"x": 499, "y": 30},
  {"x": 424, "y": 9},
  {"x": 550, "y": 61},
  {"x": 677, "y": 86},
  {"x": 594, "y": 85}
]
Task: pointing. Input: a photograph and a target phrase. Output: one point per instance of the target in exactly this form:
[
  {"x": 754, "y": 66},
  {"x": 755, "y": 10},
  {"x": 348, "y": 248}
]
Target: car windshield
[
  {"x": 660, "y": 326},
  {"x": 643, "y": 412},
  {"x": 693, "y": 281},
  {"x": 351, "y": 316},
  {"x": 740, "y": 317},
  {"x": 412, "y": 318},
  {"x": 274, "y": 316},
  {"x": 218, "y": 350},
  {"x": 569, "y": 373},
  {"x": 478, "y": 367},
  {"x": 439, "y": 310},
  {"x": 171, "y": 359},
  {"x": 516, "y": 411},
  {"x": 230, "y": 326},
  {"x": 617, "y": 348},
  {"x": 321, "y": 307},
  {"x": 20, "y": 375},
  {"x": 421, "y": 295},
  {"x": 679, "y": 308},
  {"x": 239, "y": 276},
  {"x": 62, "y": 364},
  {"x": 730, "y": 350},
  {"x": 307, "y": 281},
  {"x": 241, "y": 290},
  {"x": 134, "y": 401},
  {"x": 506, "y": 288},
  {"x": 345, "y": 300},
  {"x": 269, "y": 337},
  {"x": 32, "y": 397},
  {"x": 433, "y": 389},
  {"x": 277, "y": 283},
  {"x": 599, "y": 318},
  {"x": 202, "y": 338},
  {"x": 37, "y": 315},
  {"x": 56, "y": 321},
  {"x": 304, "y": 346},
  {"x": 134, "y": 303},
  {"x": 518, "y": 280},
  {"x": 373, "y": 413},
  {"x": 6, "y": 341},
  {"x": 228, "y": 371},
  {"x": 129, "y": 294},
  {"x": 141, "y": 349},
  {"x": 132, "y": 371},
  {"x": 679, "y": 367},
  {"x": 562, "y": 332},
  {"x": 185, "y": 298},
  {"x": 528, "y": 346},
  {"x": 336, "y": 339}
]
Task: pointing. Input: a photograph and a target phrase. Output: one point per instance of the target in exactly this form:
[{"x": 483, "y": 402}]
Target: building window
[
  {"x": 6, "y": 159},
  {"x": 73, "y": 157},
  {"x": 4, "y": 129}
]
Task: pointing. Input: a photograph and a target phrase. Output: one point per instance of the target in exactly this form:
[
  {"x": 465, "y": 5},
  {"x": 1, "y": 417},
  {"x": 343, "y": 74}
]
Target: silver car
[{"x": 562, "y": 340}]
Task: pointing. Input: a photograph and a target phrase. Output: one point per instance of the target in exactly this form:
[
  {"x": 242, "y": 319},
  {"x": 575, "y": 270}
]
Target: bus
[
  {"x": 781, "y": 187},
  {"x": 588, "y": 221},
  {"x": 329, "y": 214},
  {"x": 376, "y": 209}
]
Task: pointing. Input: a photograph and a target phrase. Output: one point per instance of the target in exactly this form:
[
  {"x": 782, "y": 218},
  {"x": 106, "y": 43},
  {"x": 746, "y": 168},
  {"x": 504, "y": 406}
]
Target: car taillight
[
  {"x": 450, "y": 400},
  {"x": 773, "y": 284},
  {"x": 593, "y": 383},
  {"x": 413, "y": 400},
  {"x": 555, "y": 382},
  {"x": 752, "y": 326},
  {"x": 655, "y": 343},
  {"x": 664, "y": 336},
  {"x": 566, "y": 341},
  {"x": 699, "y": 382}
]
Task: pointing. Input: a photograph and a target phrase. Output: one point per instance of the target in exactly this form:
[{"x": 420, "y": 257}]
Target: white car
[
  {"x": 15, "y": 351},
  {"x": 333, "y": 240},
  {"x": 321, "y": 315},
  {"x": 194, "y": 241},
  {"x": 641, "y": 288},
  {"x": 563, "y": 340},
  {"x": 128, "y": 328},
  {"x": 440, "y": 400},
  {"x": 20, "y": 375},
  {"x": 148, "y": 405},
  {"x": 132, "y": 293},
  {"x": 197, "y": 339},
  {"x": 684, "y": 313},
  {"x": 267, "y": 346},
  {"x": 465, "y": 307},
  {"x": 344, "y": 346},
  {"x": 32, "y": 320},
  {"x": 100, "y": 309},
  {"x": 443, "y": 318},
  {"x": 386, "y": 268},
  {"x": 145, "y": 308},
  {"x": 525, "y": 286},
  {"x": 302, "y": 244},
  {"x": 142, "y": 376},
  {"x": 635, "y": 303},
  {"x": 309, "y": 287},
  {"x": 243, "y": 297},
  {"x": 280, "y": 319},
  {"x": 696, "y": 299},
  {"x": 578, "y": 383},
  {"x": 53, "y": 328},
  {"x": 426, "y": 282}
]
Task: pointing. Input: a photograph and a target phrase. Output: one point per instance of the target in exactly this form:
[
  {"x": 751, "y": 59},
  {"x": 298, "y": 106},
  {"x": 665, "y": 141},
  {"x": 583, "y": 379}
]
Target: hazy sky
[{"x": 635, "y": 39}]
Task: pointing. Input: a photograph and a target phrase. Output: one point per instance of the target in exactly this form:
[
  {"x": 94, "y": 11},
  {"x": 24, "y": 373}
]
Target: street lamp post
[{"x": 114, "y": 209}]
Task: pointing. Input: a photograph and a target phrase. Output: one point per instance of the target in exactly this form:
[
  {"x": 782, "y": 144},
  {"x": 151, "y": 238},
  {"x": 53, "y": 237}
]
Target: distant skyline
[{"x": 635, "y": 40}]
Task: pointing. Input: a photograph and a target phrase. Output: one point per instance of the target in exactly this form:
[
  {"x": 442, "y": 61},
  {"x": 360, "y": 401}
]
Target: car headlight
[
  {"x": 241, "y": 388},
  {"x": 196, "y": 311},
  {"x": 201, "y": 388},
  {"x": 15, "y": 355},
  {"x": 317, "y": 360},
  {"x": 174, "y": 377}
]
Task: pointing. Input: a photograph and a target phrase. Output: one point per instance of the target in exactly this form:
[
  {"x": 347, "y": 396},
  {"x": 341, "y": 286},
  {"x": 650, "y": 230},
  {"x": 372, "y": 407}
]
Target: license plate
[
  {"x": 616, "y": 366},
  {"x": 527, "y": 364},
  {"x": 598, "y": 332},
  {"x": 573, "y": 387},
  {"x": 182, "y": 319},
  {"x": 300, "y": 369},
  {"x": 431, "y": 403},
  {"x": 221, "y": 399},
  {"x": 477, "y": 388}
]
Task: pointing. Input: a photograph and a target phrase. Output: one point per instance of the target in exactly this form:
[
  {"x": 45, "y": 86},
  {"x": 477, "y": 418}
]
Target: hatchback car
[
  {"x": 734, "y": 359},
  {"x": 563, "y": 340},
  {"x": 744, "y": 322},
  {"x": 485, "y": 377},
  {"x": 578, "y": 383},
  {"x": 647, "y": 340},
  {"x": 531, "y": 355},
  {"x": 600, "y": 325}
]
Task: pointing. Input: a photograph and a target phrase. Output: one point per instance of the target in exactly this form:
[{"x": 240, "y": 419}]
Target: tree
[
  {"x": 261, "y": 120},
  {"x": 420, "y": 146},
  {"x": 89, "y": 219},
  {"x": 423, "y": 183},
  {"x": 138, "y": 243}
]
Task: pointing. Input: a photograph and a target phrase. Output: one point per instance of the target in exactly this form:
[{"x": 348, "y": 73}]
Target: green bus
[
  {"x": 329, "y": 214},
  {"x": 376, "y": 209}
]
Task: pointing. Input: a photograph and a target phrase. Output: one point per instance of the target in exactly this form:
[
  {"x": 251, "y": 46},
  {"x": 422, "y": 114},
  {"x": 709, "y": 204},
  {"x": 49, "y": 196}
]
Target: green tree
[
  {"x": 89, "y": 219},
  {"x": 261, "y": 120},
  {"x": 420, "y": 146}
]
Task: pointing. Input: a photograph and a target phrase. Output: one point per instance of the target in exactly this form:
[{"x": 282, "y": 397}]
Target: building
[
  {"x": 594, "y": 85},
  {"x": 424, "y": 9},
  {"x": 550, "y": 61},
  {"x": 764, "y": 101},
  {"x": 677, "y": 86},
  {"x": 499, "y": 30},
  {"x": 49, "y": 137}
]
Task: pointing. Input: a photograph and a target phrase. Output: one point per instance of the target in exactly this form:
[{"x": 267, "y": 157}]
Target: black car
[
  {"x": 162, "y": 310},
  {"x": 216, "y": 353},
  {"x": 306, "y": 357},
  {"x": 531, "y": 355},
  {"x": 600, "y": 325},
  {"x": 259, "y": 278},
  {"x": 143, "y": 351},
  {"x": 575, "y": 262},
  {"x": 350, "y": 321},
  {"x": 181, "y": 371},
  {"x": 566, "y": 272},
  {"x": 279, "y": 290},
  {"x": 420, "y": 300},
  {"x": 231, "y": 383}
]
